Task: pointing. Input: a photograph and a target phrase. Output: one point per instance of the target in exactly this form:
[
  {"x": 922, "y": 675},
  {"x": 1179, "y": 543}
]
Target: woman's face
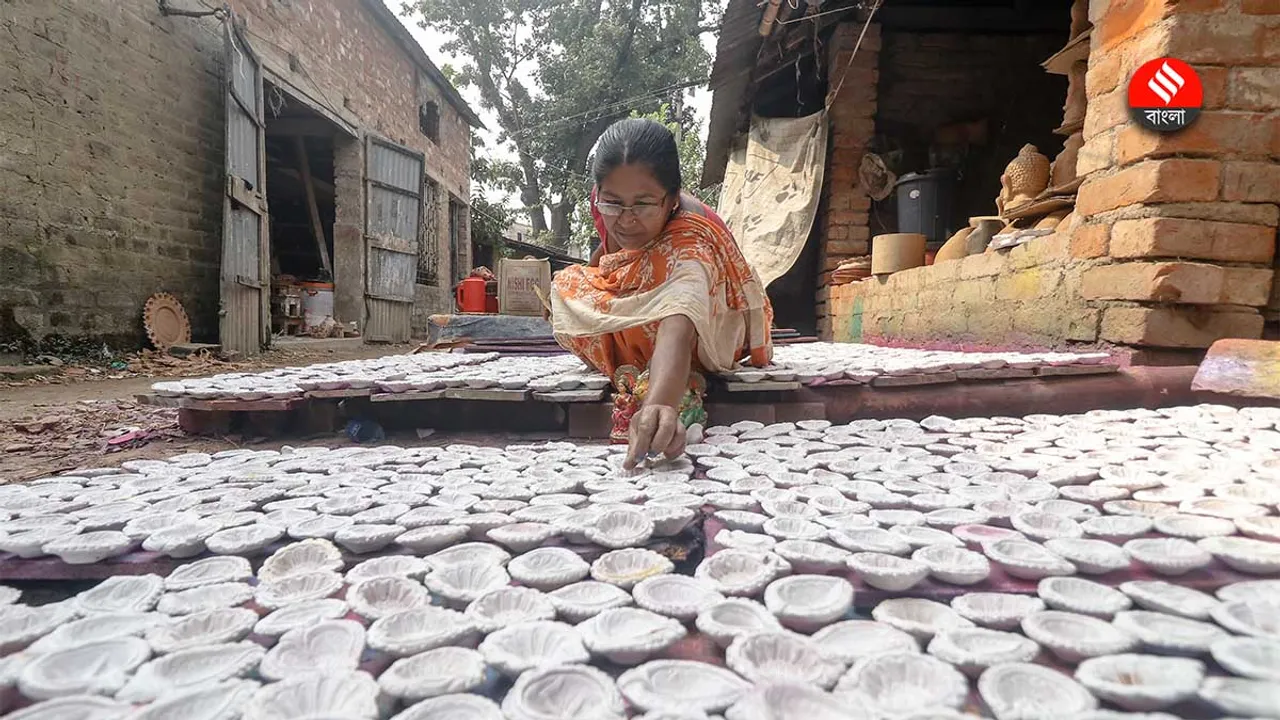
[{"x": 634, "y": 205}]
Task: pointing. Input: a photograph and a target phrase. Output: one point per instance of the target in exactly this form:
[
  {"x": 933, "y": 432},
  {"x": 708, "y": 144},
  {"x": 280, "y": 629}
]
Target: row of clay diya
[{"x": 144, "y": 644}]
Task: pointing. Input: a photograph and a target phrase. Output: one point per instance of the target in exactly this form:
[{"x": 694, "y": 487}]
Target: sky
[{"x": 431, "y": 40}]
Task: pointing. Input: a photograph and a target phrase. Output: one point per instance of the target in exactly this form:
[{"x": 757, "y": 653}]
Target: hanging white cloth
[{"x": 772, "y": 187}]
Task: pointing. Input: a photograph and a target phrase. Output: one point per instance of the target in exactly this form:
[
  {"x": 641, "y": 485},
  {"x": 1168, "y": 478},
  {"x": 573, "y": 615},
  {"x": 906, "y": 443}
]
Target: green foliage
[
  {"x": 688, "y": 132},
  {"x": 556, "y": 73},
  {"x": 693, "y": 151},
  {"x": 489, "y": 221}
]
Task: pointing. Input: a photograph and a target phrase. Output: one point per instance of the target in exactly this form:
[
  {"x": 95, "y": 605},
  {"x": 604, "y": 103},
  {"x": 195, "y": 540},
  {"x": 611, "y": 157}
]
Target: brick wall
[
  {"x": 111, "y": 137},
  {"x": 348, "y": 62},
  {"x": 842, "y": 221},
  {"x": 1174, "y": 236},
  {"x": 1185, "y": 223},
  {"x": 110, "y": 166},
  {"x": 1024, "y": 296},
  {"x": 933, "y": 80}
]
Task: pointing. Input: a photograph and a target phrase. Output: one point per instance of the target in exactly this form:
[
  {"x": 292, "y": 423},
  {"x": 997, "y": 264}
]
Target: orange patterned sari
[{"x": 608, "y": 315}]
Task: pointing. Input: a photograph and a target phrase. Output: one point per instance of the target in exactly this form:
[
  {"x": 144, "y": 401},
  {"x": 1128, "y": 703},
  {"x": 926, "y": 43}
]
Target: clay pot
[
  {"x": 1077, "y": 100},
  {"x": 897, "y": 251},
  {"x": 1052, "y": 220},
  {"x": 1064, "y": 166},
  {"x": 984, "y": 228},
  {"x": 954, "y": 248},
  {"x": 1080, "y": 17}
]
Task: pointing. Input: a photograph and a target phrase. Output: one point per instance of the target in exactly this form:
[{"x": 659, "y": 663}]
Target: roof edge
[{"x": 410, "y": 44}]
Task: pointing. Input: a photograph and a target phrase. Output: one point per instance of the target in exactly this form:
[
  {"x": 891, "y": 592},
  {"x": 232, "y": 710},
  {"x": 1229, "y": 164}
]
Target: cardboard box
[{"x": 516, "y": 282}]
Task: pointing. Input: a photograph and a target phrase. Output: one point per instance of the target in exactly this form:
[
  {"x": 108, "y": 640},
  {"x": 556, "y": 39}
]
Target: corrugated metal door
[
  {"x": 245, "y": 304},
  {"x": 393, "y": 221}
]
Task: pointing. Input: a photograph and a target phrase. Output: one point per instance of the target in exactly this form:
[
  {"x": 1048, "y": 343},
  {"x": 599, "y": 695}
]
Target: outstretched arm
[{"x": 656, "y": 427}]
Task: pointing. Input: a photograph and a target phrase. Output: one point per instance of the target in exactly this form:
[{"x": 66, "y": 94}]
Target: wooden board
[
  {"x": 570, "y": 396},
  {"x": 1004, "y": 373},
  {"x": 407, "y": 396},
  {"x": 240, "y": 405},
  {"x": 486, "y": 394},
  {"x": 914, "y": 380},
  {"x": 343, "y": 393},
  {"x": 1071, "y": 370},
  {"x": 763, "y": 386},
  {"x": 1075, "y": 50}
]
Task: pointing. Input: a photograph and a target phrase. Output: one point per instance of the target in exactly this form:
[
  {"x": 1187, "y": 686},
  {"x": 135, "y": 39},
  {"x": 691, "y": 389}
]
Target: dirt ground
[{"x": 88, "y": 416}]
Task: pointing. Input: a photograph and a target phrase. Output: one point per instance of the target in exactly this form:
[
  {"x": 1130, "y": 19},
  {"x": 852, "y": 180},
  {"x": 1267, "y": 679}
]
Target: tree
[
  {"x": 688, "y": 132},
  {"x": 556, "y": 73},
  {"x": 490, "y": 219},
  {"x": 489, "y": 222}
]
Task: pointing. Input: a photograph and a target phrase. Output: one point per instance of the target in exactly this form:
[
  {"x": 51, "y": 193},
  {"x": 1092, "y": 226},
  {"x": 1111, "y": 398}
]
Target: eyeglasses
[{"x": 640, "y": 211}]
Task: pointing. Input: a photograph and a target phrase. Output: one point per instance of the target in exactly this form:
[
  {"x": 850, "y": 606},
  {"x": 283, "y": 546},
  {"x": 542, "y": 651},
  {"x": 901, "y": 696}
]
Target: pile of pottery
[
  {"x": 396, "y": 374},
  {"x": 293, "y": 381},
  {"x": 509, "y": 579},
  {"x": 510, "y": 372},
  {"x": 243, "y": 502},
  {"x": 449, "y": 636},
  {"x": 816, "y": 363}
]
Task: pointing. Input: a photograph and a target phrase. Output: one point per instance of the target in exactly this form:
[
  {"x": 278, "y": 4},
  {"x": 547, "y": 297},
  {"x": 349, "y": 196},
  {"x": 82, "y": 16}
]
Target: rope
[{"x": 870, "y": 14}]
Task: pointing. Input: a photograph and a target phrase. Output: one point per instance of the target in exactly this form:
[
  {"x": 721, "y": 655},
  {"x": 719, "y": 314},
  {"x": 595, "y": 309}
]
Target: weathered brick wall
[
  {"x": 1025, "y": 296},
  {"x": 1174, "y": 238},
  {"x": 110, "y": 166},
  {"x": 1186, "y": 222},
  {"x": 343, "y": 53},
  {"x": 344, "y": 56},
  {"x": 111, "y": 151},
  {"x": 935, "y": 79},
  {"x": 843, "y": 213}
]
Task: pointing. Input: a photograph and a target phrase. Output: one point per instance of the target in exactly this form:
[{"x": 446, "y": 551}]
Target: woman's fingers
[
  {"x": 654, "y": 428},
  {"x": 642, "y": 431},
  {"x": 665, "y": 432},
  {"x": 676, "y": 447}
]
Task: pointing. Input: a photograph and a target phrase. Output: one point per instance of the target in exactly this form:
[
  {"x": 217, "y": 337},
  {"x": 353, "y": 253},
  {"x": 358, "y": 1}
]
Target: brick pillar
[
  {"x": 348, "y": 230},
  {"x": 842, "y": 217},
  {"x": 1185, "y": 223}
]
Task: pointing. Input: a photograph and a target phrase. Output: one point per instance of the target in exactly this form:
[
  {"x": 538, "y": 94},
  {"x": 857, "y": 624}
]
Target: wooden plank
[
  {"x": 914, "y": 380},
  {"x": 1004, "y": 373},
  {"x": 762, "y": 386},
  {"x": 1074, "y": 51},
  {"x": 341, "y": 393},
  {"x": 276, "y": 405},
  {"x": 407, "y": 396},
  {"x": 570, "y": 396},
  {"x": 392, "y": 244},
  {"x": 1070, "y": 370},
  {"x": 842, "y": 382},
  {"x": 157, "y": 401},
  {"x": 299, "y": 127},
  {"x": 317, "y": 227},
  {"x": 486, "y": 394}
]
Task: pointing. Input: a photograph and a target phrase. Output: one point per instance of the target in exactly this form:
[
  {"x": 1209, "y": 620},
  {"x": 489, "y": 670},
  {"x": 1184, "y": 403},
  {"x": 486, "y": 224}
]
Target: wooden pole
[
  {"x": 770, "y": 18},
  {"x": 317, "y": 228}
]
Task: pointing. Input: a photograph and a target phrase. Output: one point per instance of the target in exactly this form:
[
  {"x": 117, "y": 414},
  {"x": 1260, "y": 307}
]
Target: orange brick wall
[
  {"x": 1174, "y": 238},
  {"x": 1184, "y": 223},
  {"x": 843, "y": 215}
]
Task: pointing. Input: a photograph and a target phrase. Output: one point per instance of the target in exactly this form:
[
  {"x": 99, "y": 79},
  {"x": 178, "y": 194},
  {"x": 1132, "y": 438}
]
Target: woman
[{"x": 668, "y": 295}]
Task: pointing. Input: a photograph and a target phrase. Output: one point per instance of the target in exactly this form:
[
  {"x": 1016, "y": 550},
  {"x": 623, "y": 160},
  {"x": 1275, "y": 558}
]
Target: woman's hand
[{"x": 654, "y": 428}]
